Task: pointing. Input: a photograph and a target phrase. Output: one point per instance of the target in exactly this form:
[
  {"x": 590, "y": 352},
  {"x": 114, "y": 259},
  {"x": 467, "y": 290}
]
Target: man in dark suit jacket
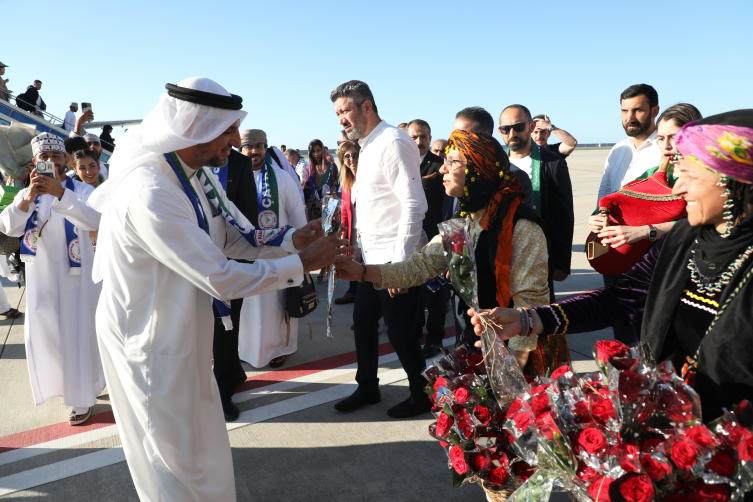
[
  {"x": 554, "y": 200},
  {"x": 239, "y": 184},
  {"x": 431, "y": 180}
]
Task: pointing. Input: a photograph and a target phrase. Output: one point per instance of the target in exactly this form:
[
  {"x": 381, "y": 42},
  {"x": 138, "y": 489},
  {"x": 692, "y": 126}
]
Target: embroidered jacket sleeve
[
  {"x": 13, "y": 220},
  {"x": 620, "y": 304},
  {"x": 528, "y": 274}
]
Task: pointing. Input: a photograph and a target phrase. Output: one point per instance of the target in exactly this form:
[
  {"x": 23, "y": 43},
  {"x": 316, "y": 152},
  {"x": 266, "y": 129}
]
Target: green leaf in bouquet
[
  {"x": 448, "y": 410},
  {"x": 458, "y": 479}
]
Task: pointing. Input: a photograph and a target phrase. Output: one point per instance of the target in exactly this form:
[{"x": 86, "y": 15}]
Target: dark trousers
[
  {"x": 353, "y": 288},
  {"x": 629, "y": 335},
  {"x": 227, "y": 362},
  {"x": 400, "y": 319},
  {"x": 435, "y": 302}
]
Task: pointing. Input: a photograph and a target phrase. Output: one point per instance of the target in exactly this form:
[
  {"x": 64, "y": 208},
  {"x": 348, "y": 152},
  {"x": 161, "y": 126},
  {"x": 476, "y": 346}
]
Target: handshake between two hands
[{"x": 319, "y": 251}]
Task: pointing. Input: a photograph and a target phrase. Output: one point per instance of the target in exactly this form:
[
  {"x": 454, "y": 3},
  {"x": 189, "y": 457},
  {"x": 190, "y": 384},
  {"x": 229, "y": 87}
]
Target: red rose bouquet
[
  {"x": 631, "y": 432},
  {"x": 470, "y": 423}
]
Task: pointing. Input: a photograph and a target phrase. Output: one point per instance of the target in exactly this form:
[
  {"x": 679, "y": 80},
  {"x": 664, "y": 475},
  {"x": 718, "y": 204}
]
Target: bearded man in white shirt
[
  {"x": 166, "y": 234},
  {"x": 628, "y": 159},
  {"x": 390, "y": 207}
]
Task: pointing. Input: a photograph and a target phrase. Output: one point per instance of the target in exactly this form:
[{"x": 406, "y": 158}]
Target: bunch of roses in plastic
[
  {"x": 469, "y": 423},
  {"x": 632, "y": 432}
]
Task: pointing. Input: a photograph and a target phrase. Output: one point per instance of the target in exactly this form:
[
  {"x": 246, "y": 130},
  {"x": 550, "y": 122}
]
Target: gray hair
[{"x": 356, "y": 91}]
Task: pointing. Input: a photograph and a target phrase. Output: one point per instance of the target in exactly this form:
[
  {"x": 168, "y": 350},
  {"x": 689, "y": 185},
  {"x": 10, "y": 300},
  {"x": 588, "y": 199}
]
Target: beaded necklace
[{"x": 711, "y": 285}]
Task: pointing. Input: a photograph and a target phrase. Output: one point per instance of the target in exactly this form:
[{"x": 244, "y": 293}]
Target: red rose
[
  {"x": 734, "y": 433},
  {"x": 625, "y": 363},
  {"x": 466, "y": 426},
  {"x": 592, "y": 440},
  {"x": 546, "y": 426},
  {"x": 644, "y": 408},
  {"x": 440, "y": 382},
  {"x": 723, "y": 464},
  {"x": 523, "y": 470},
  {"x": 457, "y": 457},
  {"x": 606, "y": 349},
  {"x": 561, "y": 371},
  {"x": 514, "y": 408},
  {"x": 714, "y": 492},
  {"x": 651, "y": 444},
  {"x": 745, "y": 450},
  {"x": 476, "y": 361},
  {"x": 480, "y": 462},
  {"x": 602, "y": 409},
  {"x": 483, "y": 414},
  {"x": 501, "y": 458},
  {"x": 444, "y": 422},
  {"x": 581, "y": 412},
  {"x": 599, "y": 489},
  {"x": 653, "y": 468},
  {"x": 630, "y": 384},
  {"x": 637, "y": 488},
  {"x": 585, "y": 473},
  {"x": 684, "y": 454},
  {"x": 539, "y": 389},
  {"x": 458, "y": 246},
  {"x": 498, "y": 476},
  {"x": 462, "y": 395},
  {"x": 444, "y": 445},
  {"x": 540, "y": 404},
  {"x": 522, "y": 421},
  {"x": 676, "y": 407}
]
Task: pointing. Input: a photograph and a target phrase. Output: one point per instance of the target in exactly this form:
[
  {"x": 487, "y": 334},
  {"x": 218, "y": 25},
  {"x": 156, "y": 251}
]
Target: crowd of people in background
[{"x": 397, "y": 184}]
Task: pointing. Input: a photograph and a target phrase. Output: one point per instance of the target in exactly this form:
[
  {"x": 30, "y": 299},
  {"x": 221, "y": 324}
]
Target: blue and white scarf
[
  {"x": 33, "y": 232},
  {"x": 256, "y": 238}
]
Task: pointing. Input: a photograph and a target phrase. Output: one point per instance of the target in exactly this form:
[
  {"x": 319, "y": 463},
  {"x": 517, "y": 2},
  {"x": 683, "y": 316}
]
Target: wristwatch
[{"x": 653, "y": 233}]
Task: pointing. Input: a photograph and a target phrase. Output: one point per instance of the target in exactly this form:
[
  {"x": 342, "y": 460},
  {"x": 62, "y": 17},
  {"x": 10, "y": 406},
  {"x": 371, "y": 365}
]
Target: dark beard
[
  {"x": 637, "y": 132},
  {"x": 516, "y": 147},
  {"x": 215, "y": 161},
  {"x": 358, "y": 128}
]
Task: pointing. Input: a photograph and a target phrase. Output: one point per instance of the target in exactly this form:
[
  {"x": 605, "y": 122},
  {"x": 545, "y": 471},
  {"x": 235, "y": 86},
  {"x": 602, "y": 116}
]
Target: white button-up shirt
[
  {"x": 391, "y": 201},
  {"x": 626, "y": 162}
]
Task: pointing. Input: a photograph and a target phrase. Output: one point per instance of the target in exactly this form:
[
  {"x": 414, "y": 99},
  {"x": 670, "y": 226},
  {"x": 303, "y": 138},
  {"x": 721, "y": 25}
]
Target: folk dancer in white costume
[
  {"x": 162, "y": 252},
  {"x": 54, "y": 221},
  {"x": 264, "y": 337}
]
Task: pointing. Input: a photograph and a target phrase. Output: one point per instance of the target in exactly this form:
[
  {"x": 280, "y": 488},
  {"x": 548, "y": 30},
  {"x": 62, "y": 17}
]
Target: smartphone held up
[{"x": 45, "y": 168}]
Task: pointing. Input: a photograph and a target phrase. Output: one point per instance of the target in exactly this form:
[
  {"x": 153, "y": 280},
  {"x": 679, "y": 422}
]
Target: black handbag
[{"x": 301, "y": 300}]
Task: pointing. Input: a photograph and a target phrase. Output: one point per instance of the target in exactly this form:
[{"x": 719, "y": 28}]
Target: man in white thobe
[
  {"x": 263, "y": 335},
  {"x": 70, "y": 117},
  {"x": 162, "y": 252},
  {"x": 53, "y": 220}
]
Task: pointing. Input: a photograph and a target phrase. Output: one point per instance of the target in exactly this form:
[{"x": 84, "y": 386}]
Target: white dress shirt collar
[{"x": 373, "y": 134}]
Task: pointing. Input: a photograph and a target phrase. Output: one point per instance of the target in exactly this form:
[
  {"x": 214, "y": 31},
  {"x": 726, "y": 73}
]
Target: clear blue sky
[{"x": 422, "y": 59}]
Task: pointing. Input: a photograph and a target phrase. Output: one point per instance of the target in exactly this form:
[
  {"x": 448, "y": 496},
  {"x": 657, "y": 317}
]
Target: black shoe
[
  {"x": 358, "y": 399},
  {"x": 430, "y": 350},
  {"x": 410, "y": 407},
  {"x": 230, "y": 410}
]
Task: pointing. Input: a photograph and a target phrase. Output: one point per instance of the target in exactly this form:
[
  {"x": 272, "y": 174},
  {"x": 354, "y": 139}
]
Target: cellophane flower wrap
[
  {"x": 629, "y": 432},
  {"x": 470, "y": 422},
  {"x": 331, "y": 223}
]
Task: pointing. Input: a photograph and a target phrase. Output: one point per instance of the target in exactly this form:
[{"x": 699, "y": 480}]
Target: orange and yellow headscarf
[{"x": 490, "y": 184}]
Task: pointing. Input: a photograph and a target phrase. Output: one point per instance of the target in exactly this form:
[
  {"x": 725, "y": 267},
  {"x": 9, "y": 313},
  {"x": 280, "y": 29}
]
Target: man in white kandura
[
  {"x": 263, "y": 335},
  {"x": 53, "y": 221},
  {"x": 166, "y": 234}
]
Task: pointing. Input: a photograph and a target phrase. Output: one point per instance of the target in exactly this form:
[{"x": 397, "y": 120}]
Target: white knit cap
[{"x": 46, "y": 142}]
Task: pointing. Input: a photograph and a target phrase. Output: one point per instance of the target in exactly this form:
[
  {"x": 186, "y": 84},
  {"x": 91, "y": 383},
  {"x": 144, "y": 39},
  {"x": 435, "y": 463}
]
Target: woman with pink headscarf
[{"x": 693, "y": 290}]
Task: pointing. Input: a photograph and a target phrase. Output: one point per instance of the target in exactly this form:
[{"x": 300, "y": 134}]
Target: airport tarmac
[{"x": 289, "y": 443}]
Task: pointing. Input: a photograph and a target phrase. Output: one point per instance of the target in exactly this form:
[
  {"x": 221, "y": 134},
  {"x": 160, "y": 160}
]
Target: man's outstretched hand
[
  {"x": 307, "y": 234},
  {"x": 324, "y": 252}
]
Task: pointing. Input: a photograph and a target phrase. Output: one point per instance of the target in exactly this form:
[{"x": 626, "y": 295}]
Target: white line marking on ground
[{"x": 60, "y": 470}]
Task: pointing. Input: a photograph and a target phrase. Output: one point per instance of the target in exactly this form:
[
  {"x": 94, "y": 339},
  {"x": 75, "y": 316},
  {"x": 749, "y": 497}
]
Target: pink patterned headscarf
[{"x": 727, "y": 149}]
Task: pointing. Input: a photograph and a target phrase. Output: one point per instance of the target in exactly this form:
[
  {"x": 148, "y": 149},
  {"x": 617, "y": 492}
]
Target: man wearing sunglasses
[
  {"x": 552, "y": 190},
  {"x": 435, "y": 301}
]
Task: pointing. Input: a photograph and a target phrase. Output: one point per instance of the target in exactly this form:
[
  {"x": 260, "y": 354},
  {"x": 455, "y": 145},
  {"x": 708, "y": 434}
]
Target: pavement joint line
[
  {"x": 30, "y": 451},
  {"x": 108, "y": 456}
]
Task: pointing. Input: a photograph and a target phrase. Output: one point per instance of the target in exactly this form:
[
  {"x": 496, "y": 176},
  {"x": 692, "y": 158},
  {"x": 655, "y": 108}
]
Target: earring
[{"x": 729, "y": 203}]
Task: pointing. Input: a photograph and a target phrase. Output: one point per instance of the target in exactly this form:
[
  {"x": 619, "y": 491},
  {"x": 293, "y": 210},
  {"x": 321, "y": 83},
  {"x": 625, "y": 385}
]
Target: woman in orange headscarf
[{"x": 509, "y": 244}]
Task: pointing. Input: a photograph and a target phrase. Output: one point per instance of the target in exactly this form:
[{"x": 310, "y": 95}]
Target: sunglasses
[
  {"x": 353, "y": 156},
  {"x": 519, "y": 127}
]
